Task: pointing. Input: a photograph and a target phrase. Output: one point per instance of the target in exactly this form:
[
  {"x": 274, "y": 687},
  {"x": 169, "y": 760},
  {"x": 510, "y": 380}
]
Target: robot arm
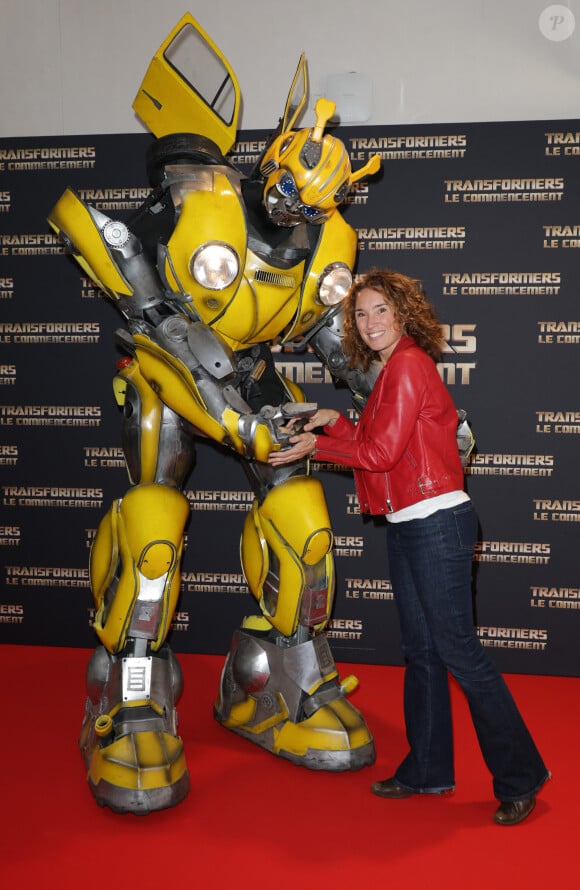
[
  {"x": 326, "y": 341},
  {"x": 194, "y": 372},
  {"x": 109, "y": 254}
]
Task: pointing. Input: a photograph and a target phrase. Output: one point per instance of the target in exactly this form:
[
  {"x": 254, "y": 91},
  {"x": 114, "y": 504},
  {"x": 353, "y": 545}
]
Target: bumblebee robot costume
[{"x": 213, "y": 269}]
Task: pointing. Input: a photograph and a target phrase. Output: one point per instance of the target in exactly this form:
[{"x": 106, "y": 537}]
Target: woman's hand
[
  {"x": 302, "y": 446},
  {"x": 322, "y": 417}
]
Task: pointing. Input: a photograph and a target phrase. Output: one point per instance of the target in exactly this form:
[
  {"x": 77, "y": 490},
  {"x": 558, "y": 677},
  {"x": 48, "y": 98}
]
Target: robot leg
[
  {"x": 280, "y": 686},
  {"x": 134, "y": 756}
]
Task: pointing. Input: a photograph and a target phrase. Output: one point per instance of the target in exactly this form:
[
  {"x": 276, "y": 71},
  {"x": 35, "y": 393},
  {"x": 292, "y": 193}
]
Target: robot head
[{"x": 307, "y": 174}]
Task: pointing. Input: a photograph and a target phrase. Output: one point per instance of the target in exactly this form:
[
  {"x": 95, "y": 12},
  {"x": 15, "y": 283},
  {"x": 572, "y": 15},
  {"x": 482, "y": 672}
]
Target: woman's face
[{"x": 376, "y": 322}]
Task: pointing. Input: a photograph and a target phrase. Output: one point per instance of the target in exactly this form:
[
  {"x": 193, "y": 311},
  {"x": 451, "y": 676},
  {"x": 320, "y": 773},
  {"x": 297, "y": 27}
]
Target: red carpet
[{"x": 254, "y": 821}]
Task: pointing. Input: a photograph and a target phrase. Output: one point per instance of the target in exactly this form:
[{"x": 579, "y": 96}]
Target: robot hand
[
  {"x": 283, "y": 421},
  {"x": 465, "y": 437}
]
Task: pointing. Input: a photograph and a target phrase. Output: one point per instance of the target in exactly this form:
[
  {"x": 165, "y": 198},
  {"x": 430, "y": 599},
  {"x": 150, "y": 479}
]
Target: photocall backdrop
[{"x": 487, "y": 216}]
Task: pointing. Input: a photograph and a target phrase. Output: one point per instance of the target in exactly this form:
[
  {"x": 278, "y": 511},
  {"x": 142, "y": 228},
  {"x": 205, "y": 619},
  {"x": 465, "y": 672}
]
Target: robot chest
[
  {"x": 245, "y": 296},
  {"x": 262, "y": 307}
]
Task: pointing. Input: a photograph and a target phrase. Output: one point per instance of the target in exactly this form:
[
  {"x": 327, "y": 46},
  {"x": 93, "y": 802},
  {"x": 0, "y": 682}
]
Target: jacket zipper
[{"x": 390, "y": 508}]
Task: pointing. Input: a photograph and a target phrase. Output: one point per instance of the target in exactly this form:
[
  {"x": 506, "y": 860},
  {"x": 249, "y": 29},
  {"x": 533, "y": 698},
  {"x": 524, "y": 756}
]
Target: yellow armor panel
[
  {"x": 151, "y": 416},
  {"x": 176, "y": 386},
  {"x": 295, "y": 391},
  {"x": 339, "y": 724},
  {"x": 70, "y": 214},
  {"x": 264, "y": 305},
  {"x": 297, "y": 505},
  {"x": 139, "y": 762},
  {"x": 143, "y": 535},
  {"x": 293, "y": 524},
  {"x": 338, "y": 243},
  {"x": 263, "y": 443},
  {"x": 166, "y": 101},
  {"x": 205, "y": 212}
]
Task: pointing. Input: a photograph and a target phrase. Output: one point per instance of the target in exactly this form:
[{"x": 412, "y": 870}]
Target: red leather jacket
[{"x": 404, "y": 447}]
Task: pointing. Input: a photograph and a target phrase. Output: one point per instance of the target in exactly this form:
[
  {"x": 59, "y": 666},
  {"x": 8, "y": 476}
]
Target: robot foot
[
  {"x": 135, "y": 760},
  {"x": 288, "y": 699},
  {"x": 139, "y": 773}
]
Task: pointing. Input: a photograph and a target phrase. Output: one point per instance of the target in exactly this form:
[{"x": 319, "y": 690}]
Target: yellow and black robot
[{"x": 212, "y": 270}]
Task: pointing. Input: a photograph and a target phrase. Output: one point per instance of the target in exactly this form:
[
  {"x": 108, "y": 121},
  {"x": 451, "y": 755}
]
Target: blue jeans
[{"x": 430, "y": 563}]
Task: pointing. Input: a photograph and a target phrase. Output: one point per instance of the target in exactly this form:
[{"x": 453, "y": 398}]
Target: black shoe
[
  {"x": 390, "y": 788},
  {"x": 510, "y": 812}
]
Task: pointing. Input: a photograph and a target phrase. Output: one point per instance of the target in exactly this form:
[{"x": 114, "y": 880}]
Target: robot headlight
[
  {"x": 214, "y": 265},
  {"x": 334, "y": 284}
]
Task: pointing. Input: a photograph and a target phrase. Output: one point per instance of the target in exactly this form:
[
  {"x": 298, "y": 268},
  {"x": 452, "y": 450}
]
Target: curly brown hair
[{"x": 407, "y": 298}]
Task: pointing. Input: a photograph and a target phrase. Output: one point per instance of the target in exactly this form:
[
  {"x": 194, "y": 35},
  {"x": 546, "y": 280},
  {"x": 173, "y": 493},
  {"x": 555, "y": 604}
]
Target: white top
[{"x": 425, "y": 508}]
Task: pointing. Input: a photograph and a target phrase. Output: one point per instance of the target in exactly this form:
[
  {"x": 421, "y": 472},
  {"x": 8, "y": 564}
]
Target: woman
[{"x": 407, "y": 467}]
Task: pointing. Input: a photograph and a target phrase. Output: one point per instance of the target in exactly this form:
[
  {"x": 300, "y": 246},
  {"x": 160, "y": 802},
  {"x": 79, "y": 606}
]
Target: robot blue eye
[
  {"x": 287, "y": 186},
  {"x": 310, "y": 212}
]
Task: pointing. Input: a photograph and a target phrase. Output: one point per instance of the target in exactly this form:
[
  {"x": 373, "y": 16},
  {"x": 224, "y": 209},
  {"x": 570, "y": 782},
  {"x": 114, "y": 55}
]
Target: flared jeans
[{"x": 431, "y": 565}]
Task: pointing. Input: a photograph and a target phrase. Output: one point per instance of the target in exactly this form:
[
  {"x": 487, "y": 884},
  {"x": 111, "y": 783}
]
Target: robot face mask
[
  {"x": 308, "y": 175},
  {"x": 297, "y": 194}
]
